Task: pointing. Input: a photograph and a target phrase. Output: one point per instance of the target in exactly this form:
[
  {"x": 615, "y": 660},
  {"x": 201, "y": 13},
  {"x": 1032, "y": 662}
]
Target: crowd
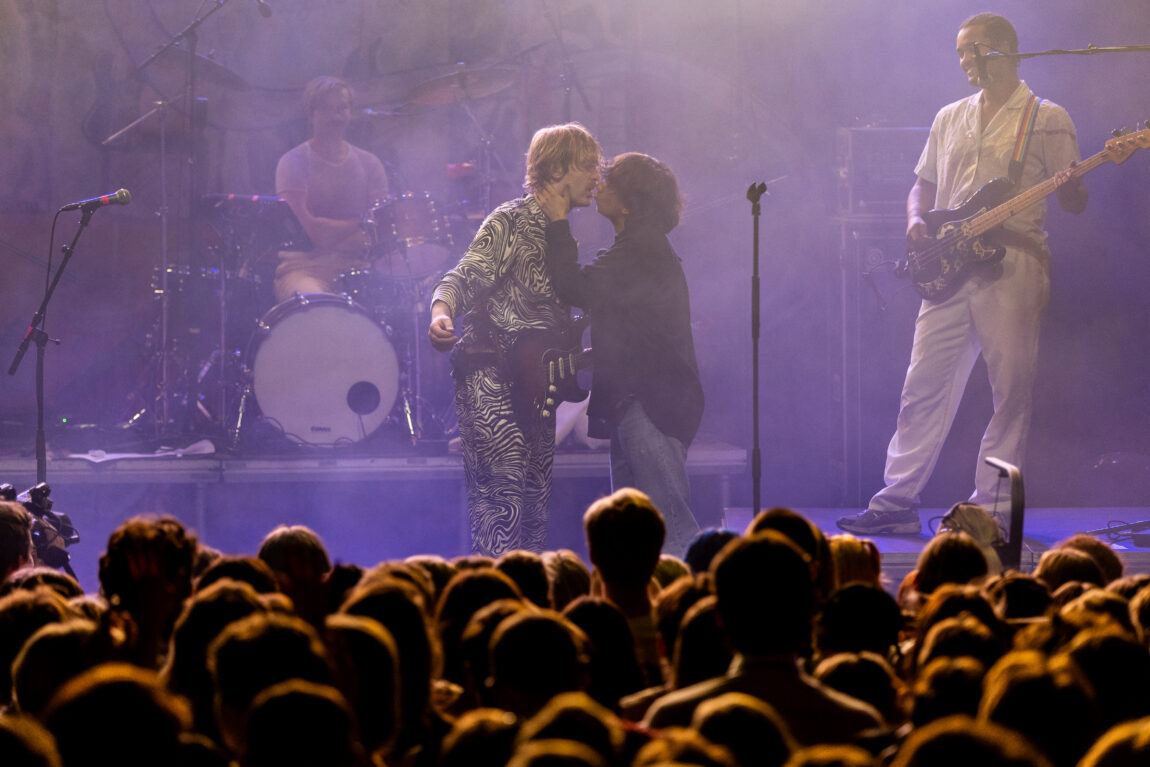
[{"x": 777, "y": 646}]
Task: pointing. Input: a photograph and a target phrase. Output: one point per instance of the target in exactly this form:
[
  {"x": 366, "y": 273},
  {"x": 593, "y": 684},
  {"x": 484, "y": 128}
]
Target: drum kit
[
  {"x": 222, "y": 359},
  {"x": 317, "y": 369}
]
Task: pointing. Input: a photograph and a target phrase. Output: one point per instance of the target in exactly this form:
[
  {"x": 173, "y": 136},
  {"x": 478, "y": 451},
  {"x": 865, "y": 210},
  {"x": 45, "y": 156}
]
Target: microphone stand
[
  {"x": 754, "y": 193},
  {"x": 982, "y": 58},
  {"x": 568, "y": 76},
  {"x": 1089, "y": 50},
  {"x": 36, "y": 334}
]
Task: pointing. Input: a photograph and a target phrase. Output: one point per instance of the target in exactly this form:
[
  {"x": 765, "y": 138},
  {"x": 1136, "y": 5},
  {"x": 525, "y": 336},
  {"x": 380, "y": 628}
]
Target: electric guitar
[
  {"x": 954, "y": 249},
  {"x": 544, "y": 365}
]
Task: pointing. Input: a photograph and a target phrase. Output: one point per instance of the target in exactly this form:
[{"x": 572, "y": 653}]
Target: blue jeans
[{"x": 646, "y": 459}]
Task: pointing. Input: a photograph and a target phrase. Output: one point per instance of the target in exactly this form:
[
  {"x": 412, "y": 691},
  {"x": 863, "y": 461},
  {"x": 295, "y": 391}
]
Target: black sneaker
[{"x": 870, "y": 522}]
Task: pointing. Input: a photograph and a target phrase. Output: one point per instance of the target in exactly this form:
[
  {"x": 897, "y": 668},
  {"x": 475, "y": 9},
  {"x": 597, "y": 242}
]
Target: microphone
[
  {"x": 265, "y": 9},
  {"x": 121, "y": 197},
  {"x": 980, "y": 62}
]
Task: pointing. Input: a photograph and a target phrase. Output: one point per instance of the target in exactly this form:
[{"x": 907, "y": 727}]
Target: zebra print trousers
[{"x": 507, "y": 466}]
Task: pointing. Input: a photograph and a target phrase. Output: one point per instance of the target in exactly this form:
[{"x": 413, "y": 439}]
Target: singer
[
  {"x": 498, "y": 292},
  {"x": 645, "y": 395},
  {"x": 998, "y": 311}
]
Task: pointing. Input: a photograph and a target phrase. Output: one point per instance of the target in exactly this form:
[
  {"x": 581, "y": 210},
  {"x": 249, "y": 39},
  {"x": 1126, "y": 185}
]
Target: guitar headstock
[{"x": 1119, "y": 148}]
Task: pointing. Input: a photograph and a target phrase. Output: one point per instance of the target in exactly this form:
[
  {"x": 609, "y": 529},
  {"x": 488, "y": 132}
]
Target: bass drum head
[{"x": 324, "y": 370}]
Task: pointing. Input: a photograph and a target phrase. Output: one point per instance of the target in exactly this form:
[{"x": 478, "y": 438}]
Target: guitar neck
[{"x": 984, "y": 222}]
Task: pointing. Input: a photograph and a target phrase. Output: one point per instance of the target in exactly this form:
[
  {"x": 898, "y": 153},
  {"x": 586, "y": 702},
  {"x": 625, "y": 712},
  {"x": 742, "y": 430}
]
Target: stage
[
  {"x": 367, "y": 508},
  {"x": 1042, "y": 528},
  {"x": 371, "y": 508}
]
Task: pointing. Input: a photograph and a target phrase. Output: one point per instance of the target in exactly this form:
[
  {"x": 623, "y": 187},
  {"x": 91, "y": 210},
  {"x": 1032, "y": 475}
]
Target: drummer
[{"x": 330, "y": 186}]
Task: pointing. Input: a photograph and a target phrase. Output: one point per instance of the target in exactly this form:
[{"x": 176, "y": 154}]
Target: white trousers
[{"x": 999, "y": 318}]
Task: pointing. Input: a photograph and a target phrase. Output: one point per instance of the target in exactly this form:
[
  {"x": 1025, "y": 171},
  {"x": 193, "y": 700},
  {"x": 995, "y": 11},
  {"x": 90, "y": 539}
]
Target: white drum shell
[{"x": 313, "y": 351}]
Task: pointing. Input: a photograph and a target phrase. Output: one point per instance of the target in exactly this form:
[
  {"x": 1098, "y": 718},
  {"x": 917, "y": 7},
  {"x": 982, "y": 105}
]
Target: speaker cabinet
[{"x": 878, "y": 311}]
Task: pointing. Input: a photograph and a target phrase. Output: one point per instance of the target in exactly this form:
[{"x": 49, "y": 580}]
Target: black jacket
[{"x": 636, "y": 295}]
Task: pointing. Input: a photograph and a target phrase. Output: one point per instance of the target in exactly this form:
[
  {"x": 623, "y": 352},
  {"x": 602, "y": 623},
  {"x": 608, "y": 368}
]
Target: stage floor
[
  {"x": 371, "y": 508},
  {"x": 1042, "y": 528}
]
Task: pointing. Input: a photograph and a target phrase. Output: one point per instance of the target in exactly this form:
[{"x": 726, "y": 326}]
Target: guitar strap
[{"x": 1025, "y": 130}]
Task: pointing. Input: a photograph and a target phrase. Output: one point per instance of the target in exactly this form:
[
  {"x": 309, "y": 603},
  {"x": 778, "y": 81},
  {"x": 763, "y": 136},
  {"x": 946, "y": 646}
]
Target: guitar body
[
  {"x": 939, "y": 266},
  {"x": 544, "y": 365},
  {"x": 954, "y": 249}
]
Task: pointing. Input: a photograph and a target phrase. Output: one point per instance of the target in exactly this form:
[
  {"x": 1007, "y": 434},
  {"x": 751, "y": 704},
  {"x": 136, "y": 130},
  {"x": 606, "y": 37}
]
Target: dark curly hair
[{"x": 647, "y": 188}]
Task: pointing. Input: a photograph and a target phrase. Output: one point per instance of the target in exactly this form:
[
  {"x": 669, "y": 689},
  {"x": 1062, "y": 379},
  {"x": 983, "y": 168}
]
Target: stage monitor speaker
[
  {"x": 878, "y": 312},
  {"x": 875, "y": 169}
]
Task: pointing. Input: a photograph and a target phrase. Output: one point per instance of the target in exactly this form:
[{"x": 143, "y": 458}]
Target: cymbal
[
  {"x": 172, "y": 67},
  {"x": 464, "y": 84}
]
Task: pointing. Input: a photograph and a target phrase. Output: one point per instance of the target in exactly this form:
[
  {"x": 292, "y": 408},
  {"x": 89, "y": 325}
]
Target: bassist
[{"x": 998, "y": 309}]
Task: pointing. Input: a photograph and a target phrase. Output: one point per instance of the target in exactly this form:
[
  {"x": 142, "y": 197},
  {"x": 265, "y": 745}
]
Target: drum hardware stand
[
  {"x": 568, "y": 76},
  {"x": 271, "y": 225},
  {"x": 163, "y": 420},
  {"x": 411, "y": 394},
  {"x": 160, "y": 109},
  {"x": 486, "y": 153},
  {"x": 241, "y": 414},
  {"x": 223, "y": 351}
]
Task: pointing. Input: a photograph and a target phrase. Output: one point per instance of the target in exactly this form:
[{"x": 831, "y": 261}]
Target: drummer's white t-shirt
[
  {"x": 346, "y": 189},
  {"x": 342, "y": 190}
]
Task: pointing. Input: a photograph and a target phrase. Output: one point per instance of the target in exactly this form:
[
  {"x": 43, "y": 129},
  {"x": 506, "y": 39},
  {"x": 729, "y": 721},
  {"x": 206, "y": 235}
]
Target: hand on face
[
  {"x": 554, "y": 204},
  {"x": 571, "y": 190}
]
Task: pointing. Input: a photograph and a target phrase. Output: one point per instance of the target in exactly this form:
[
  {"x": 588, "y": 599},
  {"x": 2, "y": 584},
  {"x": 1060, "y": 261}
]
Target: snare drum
[
  {"x": 323, "y": 369},
  {"x": 409, "y": 237}
]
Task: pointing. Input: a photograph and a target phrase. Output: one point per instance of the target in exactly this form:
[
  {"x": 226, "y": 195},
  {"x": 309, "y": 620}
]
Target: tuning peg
[{"x": 1118, "y": 132}]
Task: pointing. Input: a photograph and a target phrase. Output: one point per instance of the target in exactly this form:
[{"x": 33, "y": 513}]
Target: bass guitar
[
  {"x": 954, "y": 249},
  {"x": 544, "y": 365}
]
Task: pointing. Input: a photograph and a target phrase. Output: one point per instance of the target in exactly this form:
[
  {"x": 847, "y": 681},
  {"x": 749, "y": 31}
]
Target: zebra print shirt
[{"x": 503, "y": 275}]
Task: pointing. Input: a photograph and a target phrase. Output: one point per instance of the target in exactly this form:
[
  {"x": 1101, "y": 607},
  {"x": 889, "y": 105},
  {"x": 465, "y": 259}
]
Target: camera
[{"x": 52, "y": 531}]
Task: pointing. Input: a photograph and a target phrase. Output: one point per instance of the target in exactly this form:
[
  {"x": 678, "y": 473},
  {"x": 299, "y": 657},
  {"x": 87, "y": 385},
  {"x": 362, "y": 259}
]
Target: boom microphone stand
[
  {"x": 1089, "y": 50},
  {"x": 36, "y": 333}
]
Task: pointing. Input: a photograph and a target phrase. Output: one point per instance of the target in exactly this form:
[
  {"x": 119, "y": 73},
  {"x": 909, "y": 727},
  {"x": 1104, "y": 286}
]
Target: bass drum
[{"x": 323, "y": 370}]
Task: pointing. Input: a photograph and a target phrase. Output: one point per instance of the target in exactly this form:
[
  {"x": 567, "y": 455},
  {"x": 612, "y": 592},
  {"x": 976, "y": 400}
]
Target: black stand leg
[{"x": 754, "y": 193}]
